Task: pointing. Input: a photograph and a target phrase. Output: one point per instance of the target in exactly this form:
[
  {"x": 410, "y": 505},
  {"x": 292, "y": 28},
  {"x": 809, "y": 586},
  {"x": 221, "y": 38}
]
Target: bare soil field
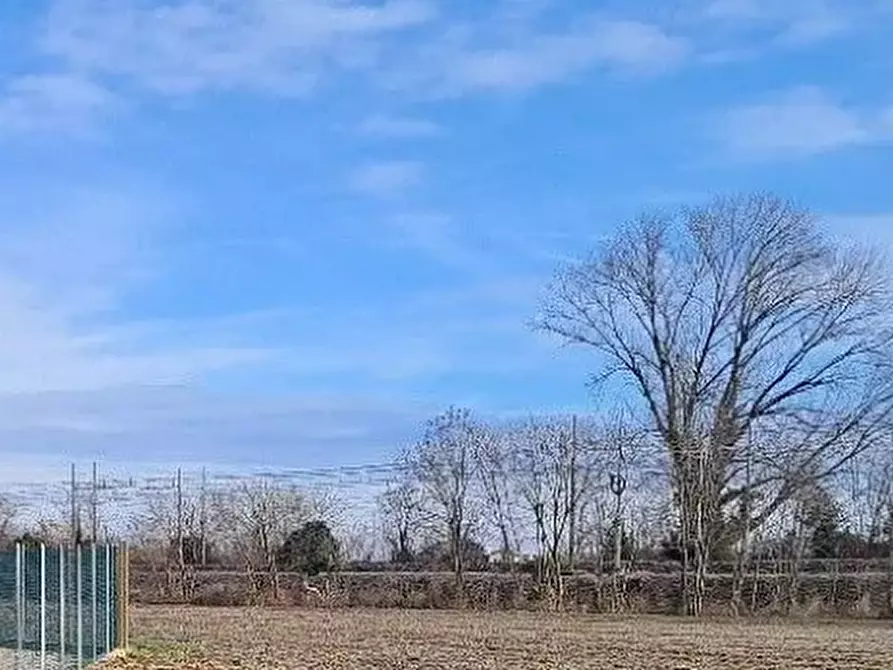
[{"x": 320, "y": 639}]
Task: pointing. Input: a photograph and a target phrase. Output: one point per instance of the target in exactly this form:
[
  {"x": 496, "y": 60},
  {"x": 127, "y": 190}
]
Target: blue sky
[{"x": 286, "y": 232}]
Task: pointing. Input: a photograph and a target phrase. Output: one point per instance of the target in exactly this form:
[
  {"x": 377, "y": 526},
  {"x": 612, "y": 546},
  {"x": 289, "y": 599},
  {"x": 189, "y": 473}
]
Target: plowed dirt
[{"x": 217, "y": 638}]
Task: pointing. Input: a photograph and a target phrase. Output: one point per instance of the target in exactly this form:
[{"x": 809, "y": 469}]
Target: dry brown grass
[{"x": 187, "y": 637}]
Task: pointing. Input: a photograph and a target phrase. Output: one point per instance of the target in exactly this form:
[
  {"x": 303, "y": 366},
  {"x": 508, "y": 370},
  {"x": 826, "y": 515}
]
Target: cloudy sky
[{"x": 283, "y": 232}]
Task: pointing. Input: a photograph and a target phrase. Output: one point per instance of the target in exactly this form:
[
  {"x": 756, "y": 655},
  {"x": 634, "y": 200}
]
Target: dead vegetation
[{"x": 186, "y": 637}]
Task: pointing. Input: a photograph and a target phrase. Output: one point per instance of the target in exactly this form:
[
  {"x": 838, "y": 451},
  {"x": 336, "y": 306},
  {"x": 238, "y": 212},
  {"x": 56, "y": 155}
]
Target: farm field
[{"x": 319, "y": 639}]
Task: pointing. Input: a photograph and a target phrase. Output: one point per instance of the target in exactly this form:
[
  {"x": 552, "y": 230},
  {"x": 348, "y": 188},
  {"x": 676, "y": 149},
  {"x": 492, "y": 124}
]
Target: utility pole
[
  {"x": 202, "y": 519},
  {"x": 181, "y": 558},
  {"x": 572, "y": 521},
  {"x": 180, "y": 517}
]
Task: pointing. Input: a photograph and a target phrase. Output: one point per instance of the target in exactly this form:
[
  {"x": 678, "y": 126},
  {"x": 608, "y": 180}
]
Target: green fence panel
[
  {"x": 58, "y": 605},
  {"x": 8, "y": 621}
]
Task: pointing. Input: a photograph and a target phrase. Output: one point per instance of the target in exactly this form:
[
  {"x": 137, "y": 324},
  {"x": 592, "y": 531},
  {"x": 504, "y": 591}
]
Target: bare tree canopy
[
  {"x": 401, "y": 509},
  {"x": 551, "y": 472},
  {"x": 442, "y": 465},
  {"x": 492, "y": 455},
  {"x": 754, "y": 343}
]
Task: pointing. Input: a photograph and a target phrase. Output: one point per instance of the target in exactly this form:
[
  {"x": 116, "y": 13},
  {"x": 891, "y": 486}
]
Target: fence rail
[{"x": 61, "y": 607}]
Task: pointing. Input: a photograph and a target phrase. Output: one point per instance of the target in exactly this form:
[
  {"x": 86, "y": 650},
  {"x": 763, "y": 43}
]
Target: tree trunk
[
  {"x": 506, "y": 549},
  {"x": 685, "y": 546},
  {"x": 742, "y": 557},
  {"x": 458, "y": 563}
]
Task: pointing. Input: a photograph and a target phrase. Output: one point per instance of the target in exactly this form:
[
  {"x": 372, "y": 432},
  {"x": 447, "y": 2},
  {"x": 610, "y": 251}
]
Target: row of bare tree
[
  {"x": 753, "y": 349},
  {"x": 554, "y": 486},
  {"x": 745, "y": 358},
  {"x": 242, "y": 526}
]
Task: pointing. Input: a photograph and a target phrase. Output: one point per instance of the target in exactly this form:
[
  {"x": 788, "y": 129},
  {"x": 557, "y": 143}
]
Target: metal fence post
[
  {"x": 80, "y": 605},
  {"x": 108, "y": 598},
  {"x": 126, "y": 560},
  {"x": 94, "y": 603},
  {"x": 43, "y": 606},
  {"x": 62, "y": 604},
  {"x": 20, "y": 601}
]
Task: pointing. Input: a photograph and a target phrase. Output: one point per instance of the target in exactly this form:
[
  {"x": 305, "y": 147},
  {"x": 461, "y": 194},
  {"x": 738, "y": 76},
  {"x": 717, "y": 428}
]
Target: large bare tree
[{"x": 753, "y": 342}]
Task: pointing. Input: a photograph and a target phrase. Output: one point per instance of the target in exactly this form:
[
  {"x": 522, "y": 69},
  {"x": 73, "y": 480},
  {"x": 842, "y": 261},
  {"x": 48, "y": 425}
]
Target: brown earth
[{"x": 361, "y": 639}]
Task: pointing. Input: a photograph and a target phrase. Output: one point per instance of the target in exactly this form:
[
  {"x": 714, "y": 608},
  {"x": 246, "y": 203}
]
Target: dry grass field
[{"x": 206, "y": 638}]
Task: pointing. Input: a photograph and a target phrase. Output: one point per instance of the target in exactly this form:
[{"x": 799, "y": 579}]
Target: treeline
[
  {"x": 752, "y": 356},
  {"x": 744, "y": 363}
]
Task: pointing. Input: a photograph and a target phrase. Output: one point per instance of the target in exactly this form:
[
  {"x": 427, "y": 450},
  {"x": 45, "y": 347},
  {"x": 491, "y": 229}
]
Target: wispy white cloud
[
  {"x": 53, "y": 103},
  {"x": 398, "y": 127},
  {"x": 67, "y": 263},
  {"x": 792, "y": 23},
  {"x": 43, "y": 347},
  {"x": 814, "y": 28},
  {"x": 199, "y": 45},
  {"x": 93, "y": 47},
  {"x": 801, "y": 122},
  {"x": 83, "y": 379},
  {"x": 84, "y": 242},
  {"x": 386, "y": 178},
  {"x": 438, "y": 237},
  {"x": 64, "y": 327},
  {"x": 735, "y": 30},
  {"x": 466, "y": 61},
  {"x": 280, "y": 48},
  {"x": 100, "y": 53}
]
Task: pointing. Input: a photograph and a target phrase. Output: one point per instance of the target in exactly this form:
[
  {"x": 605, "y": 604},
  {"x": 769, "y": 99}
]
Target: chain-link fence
[{"x": 61, "y": 607}]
